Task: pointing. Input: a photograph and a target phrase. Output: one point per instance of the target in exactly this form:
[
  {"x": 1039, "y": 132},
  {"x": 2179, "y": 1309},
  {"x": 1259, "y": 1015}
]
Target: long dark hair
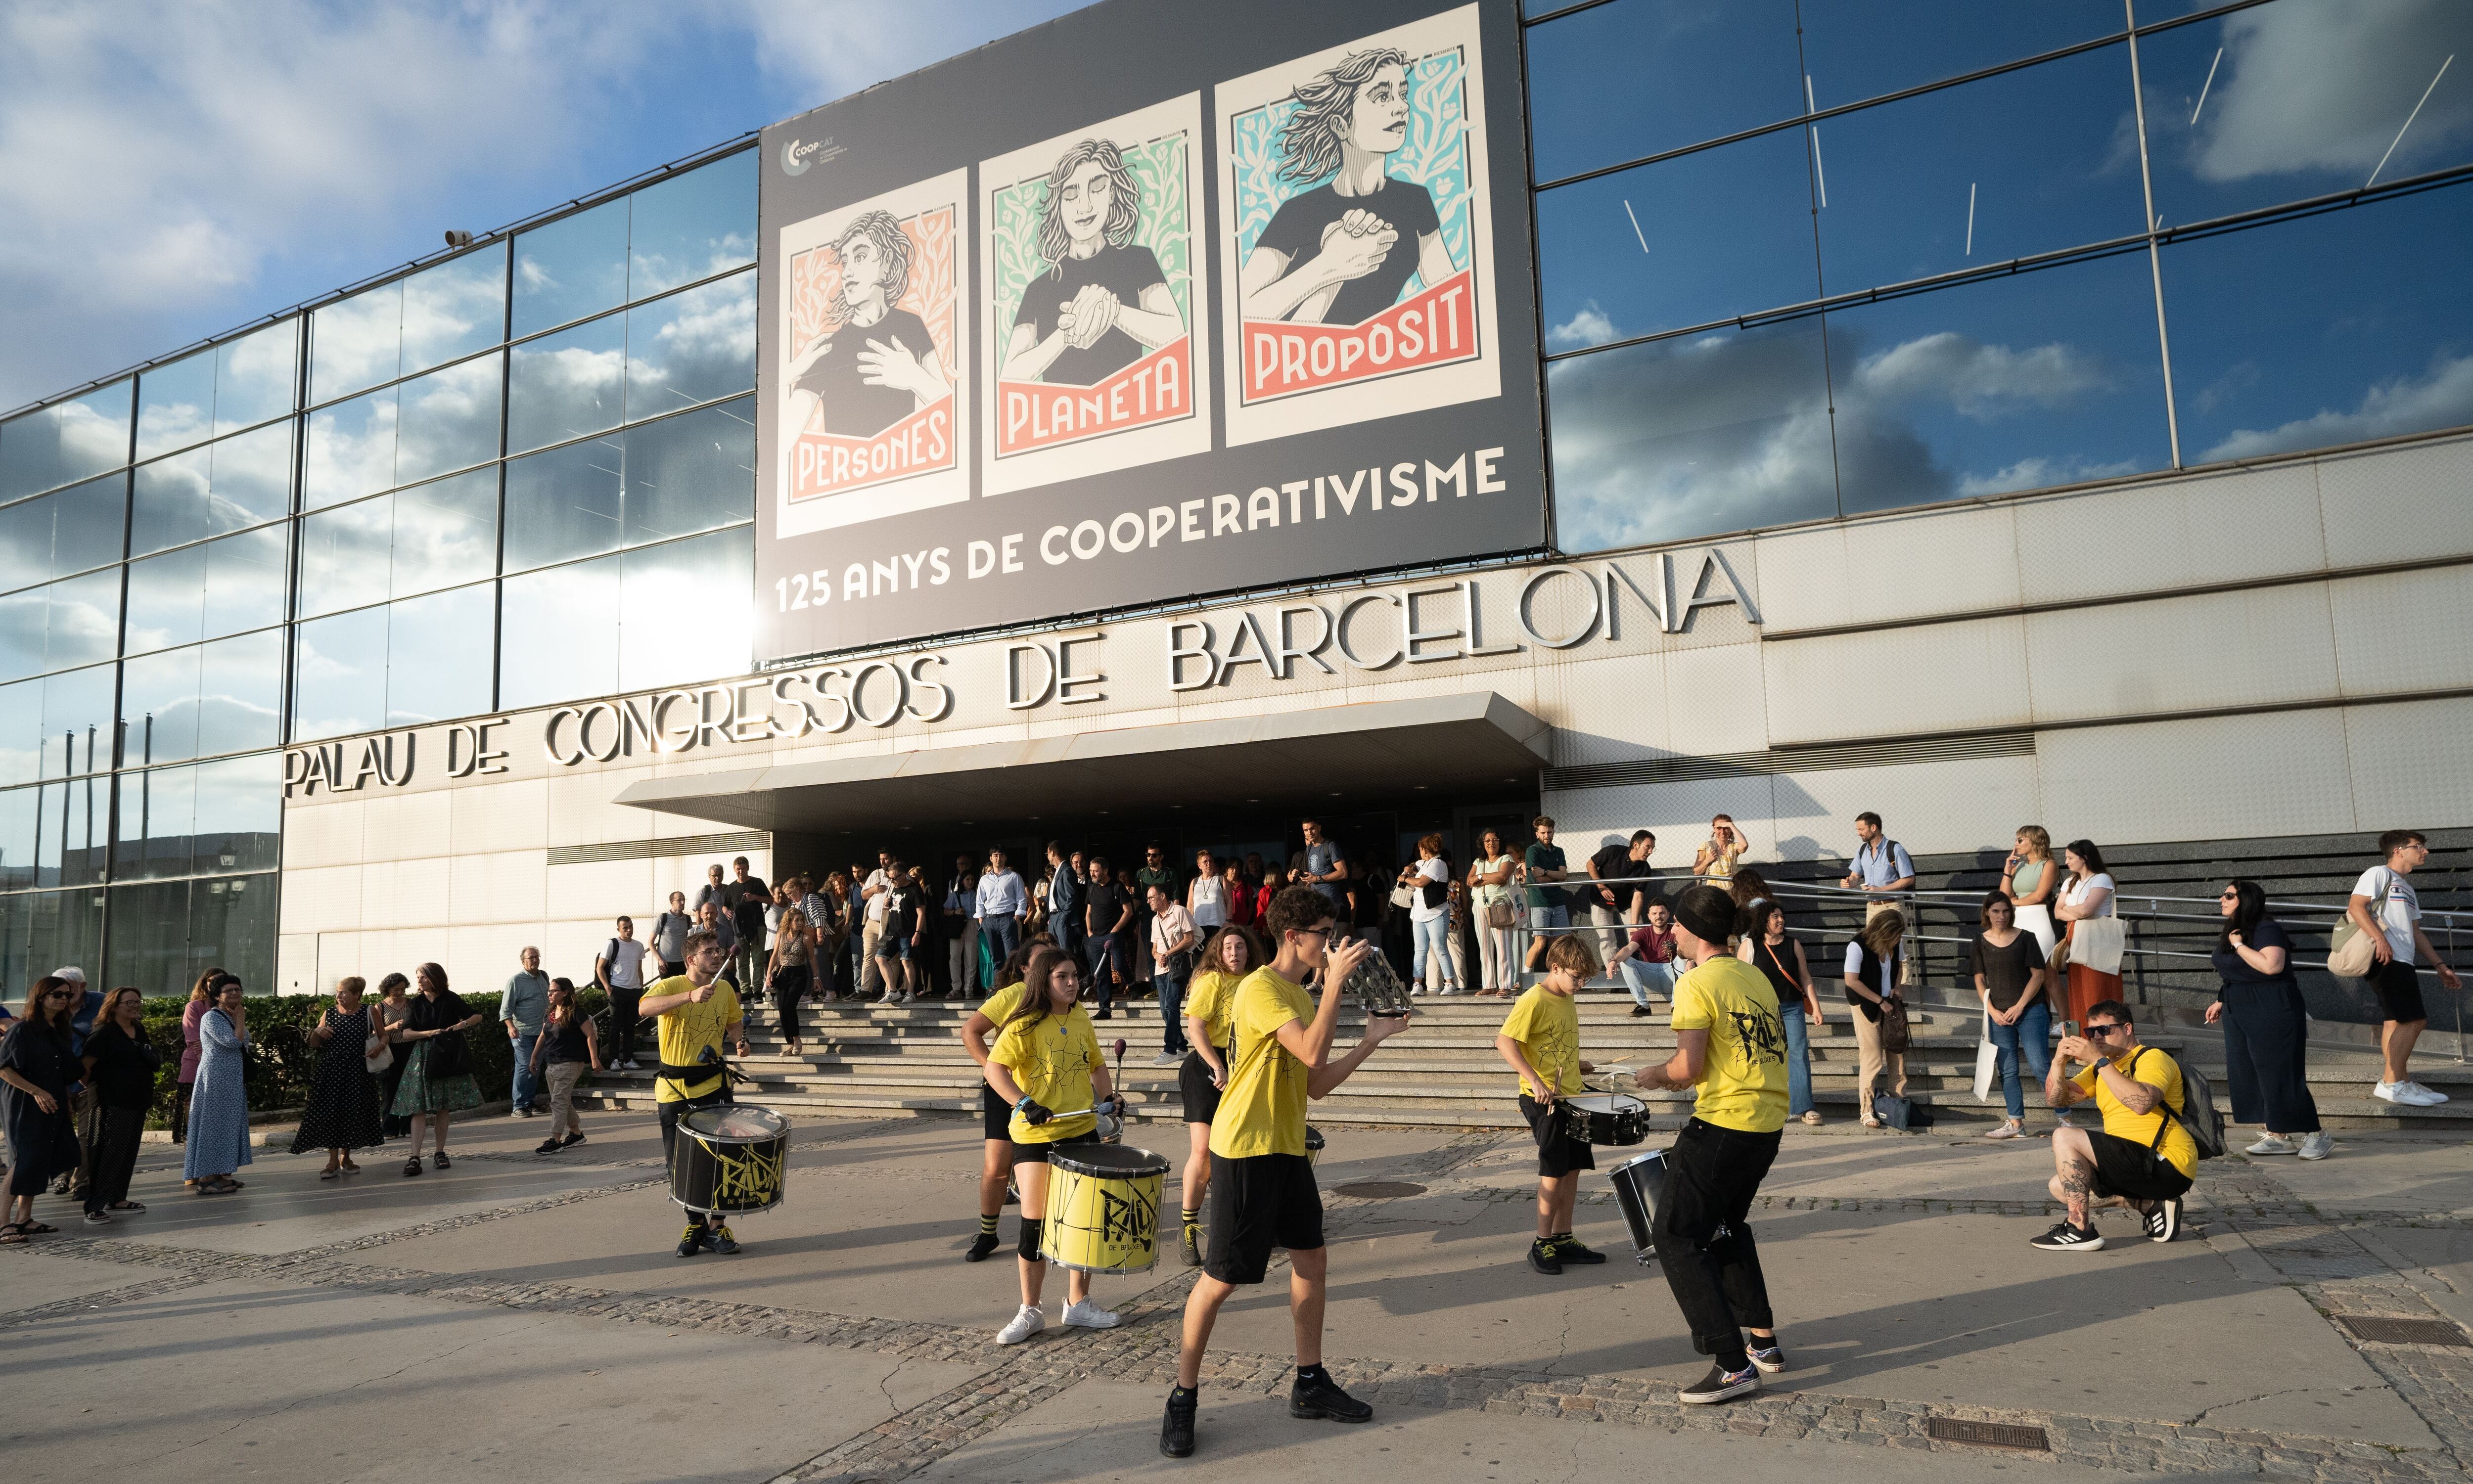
[
  {"x": 1254, "y": 956},
  {"x": 1992, "y": 899},
  {"x": 1035, "y": 1006},
  {"x": 2247, "y": 912},
  {"x": 2086, "y": 850}
]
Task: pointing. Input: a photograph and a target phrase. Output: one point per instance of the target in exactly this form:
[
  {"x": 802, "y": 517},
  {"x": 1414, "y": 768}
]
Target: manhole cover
[
  {"x": 1954, "y": 1429},
  {"x": 1380, "y": 1189},
  {"x": 2404, "y": 1332}
]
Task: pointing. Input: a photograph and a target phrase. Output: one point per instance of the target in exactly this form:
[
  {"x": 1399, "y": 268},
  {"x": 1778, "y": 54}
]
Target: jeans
[
  {"x": 1007, "y": 932},
  {"x": 1644, "y": 976},
  {"x": 623, "y": 1020},
  {"x": 1798, "y": 1060},
  {"x": 527, "y": 1090},
  {"x": 1105, "y": 952},
  {"x": 1433, "y": 937},
  {"x": 1704, "y": 1243},
  {"x": 1170, "y": 987},
  {"x": 2033, "y": 1035}
]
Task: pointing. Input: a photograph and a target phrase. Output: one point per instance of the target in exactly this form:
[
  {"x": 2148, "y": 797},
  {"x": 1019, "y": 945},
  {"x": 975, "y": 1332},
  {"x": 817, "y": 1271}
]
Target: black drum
[
  {"x": 1639, "y": 1185},
  {"x": 1604, "y": 1117},
  {"x": 730, "y": 1159}
]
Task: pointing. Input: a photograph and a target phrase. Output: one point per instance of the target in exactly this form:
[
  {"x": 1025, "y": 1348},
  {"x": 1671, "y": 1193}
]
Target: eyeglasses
[
  {"x": 2104, "y": 1030},
  {"x": 2229, "y": 896}
]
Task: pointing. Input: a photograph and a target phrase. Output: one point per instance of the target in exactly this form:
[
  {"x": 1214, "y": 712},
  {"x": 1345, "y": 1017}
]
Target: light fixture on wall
[{"x": 456, "y": 239}]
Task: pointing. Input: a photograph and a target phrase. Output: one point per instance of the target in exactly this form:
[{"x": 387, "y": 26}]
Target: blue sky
[{"x": 171, "y": 170}]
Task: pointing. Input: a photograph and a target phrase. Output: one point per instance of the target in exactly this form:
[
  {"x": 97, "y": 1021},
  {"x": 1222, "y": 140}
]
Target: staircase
[{"x": 908, "y": 1061}]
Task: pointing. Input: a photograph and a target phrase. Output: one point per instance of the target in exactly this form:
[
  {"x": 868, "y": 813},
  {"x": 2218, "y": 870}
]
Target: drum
[
  {"x": 1109, "y": 1128},
  {"x": 1313, "y": 1145},
  {"x": 729, "y": 1158},
  {"x": 1604, "y": 1118},
  {"x": 1638, "y": 1184},
  {"x": 1102, "y": 1207},
  {"x": 1378, "y": 988}
]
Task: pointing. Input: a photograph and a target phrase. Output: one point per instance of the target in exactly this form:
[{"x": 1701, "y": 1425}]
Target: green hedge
[{"x": 280, "y": 1059}]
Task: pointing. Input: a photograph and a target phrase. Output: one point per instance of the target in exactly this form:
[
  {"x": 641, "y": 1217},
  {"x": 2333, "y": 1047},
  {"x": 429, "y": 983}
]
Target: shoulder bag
[{"x": 2352, "y": 953}]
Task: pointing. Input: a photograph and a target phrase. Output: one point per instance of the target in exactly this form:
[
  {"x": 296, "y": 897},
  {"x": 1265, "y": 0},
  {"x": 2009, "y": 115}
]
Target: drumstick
[{"x": 1118, "y": 1085}]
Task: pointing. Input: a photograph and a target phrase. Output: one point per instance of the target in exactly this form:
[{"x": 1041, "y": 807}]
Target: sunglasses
[
  {"x": 2104, "y": 1030},
  {"x": 2229, "y": 896}
]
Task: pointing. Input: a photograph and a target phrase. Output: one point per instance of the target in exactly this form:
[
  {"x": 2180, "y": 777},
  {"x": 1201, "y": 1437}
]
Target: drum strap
[{"x": 682, "y": 1076}]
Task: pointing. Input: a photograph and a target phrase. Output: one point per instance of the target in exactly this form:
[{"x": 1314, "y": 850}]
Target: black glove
[{"x": 1032, "y": 1113}]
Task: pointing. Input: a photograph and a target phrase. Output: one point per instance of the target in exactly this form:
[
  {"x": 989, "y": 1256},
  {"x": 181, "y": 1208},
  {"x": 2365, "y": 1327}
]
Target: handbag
[
  {"x": 1404, "y": 896},
  {"x": 1895, "y": 1035},
  {"x": 1900, "y": 1114},
  {"x": 378, "y": 1061},
  {"x": 2352, "y": 953},
  {"x": 1502, "y": 915}
]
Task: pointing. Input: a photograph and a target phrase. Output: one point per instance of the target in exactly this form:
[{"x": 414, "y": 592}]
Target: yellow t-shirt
[
  {"x": 1547, "y": 1027},
  {"x": 1262, "y": 1110},
  {"x": 999, "y": 1007},
  {"x": 2157, "y": 1070},
  {"x": 1050, "y": 1060},
  {"x": 1208, "y": 998},
  {"x": 686, "y": 1030},
  {"x": 1742, "y": 1082}
]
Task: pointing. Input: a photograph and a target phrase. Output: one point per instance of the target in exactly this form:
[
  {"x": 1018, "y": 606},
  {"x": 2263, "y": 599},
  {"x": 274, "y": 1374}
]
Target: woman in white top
[
  {"x": 1490, "y": 882},
  {"x": 1429, "y": 918},
  {"x": 2029, "y": 879},
  {"x": 1725, "y": 845},
  {"x": 1206, "y": 897},
  {"x": 1873, "y": 962},
  {"x": 2086, "y": 894}
]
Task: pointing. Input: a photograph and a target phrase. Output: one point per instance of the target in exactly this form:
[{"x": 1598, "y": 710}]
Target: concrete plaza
[{"x": 524, "y": 1318}]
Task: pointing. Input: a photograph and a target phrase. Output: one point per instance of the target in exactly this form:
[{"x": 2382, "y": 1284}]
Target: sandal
[
  {"x": 330, "y": 1172},
  {"x": 412, "y": 1166},
  {"x": 131, "y": 1206},
  {"x": 12, "y": 1233},
  {"x": 40, "y": 1228},
  {"x": 350, "y": 1168},
  {"x": 439, "y": 1161},
  {"x": 216, "y": 1188}
]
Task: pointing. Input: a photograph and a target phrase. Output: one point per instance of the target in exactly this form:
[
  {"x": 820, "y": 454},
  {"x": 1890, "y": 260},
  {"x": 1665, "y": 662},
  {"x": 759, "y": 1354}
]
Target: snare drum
[
  {"x": 1604, "y": 1118},
  {"x": 730, "y": 1159},
  {"x": 1639, "y": 1185},
  {"x": 1314, "y": 1146},
  {"x": 1102, "y": 1207}
]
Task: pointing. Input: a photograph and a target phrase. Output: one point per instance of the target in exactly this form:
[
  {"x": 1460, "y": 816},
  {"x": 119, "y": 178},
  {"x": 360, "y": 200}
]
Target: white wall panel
[
  {"x": 500, "y": 816},
  {"x": 2404, "y": 631},
  {"x": 1715, "y": 701},
  {"x": 480, "y": 958},
  {"x": 323, "y": 835},
  {"x": 405, "y": 826},
  {"x": 601, "y": 890},
  {"x": 1964, "y": 804},
  {"x": 2398, "y": 504},
  {"x": 2215, "y": 778},
  {"x": 1610, "y": 712},
  {"x": 499, "y": 886},
  {"x": 321, "y": 898},
  {"x": 2413, "y": 764},
  {"x": 2257, "y": 647},
  {"x": 295, "y": 964},
  {"x": 2170, "y": 533},
  {"x": 1953, "y": 560},
  {"x": 1903, "y": 682},
  {"x": 581, "y": 813}
]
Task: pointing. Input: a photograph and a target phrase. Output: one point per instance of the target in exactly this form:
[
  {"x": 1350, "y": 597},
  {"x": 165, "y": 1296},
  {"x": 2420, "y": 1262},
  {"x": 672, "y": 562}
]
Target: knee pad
[{"x": 1028, "y": 1247}]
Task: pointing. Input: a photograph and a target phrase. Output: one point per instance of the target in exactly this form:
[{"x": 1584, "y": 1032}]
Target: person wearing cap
[{"x": 1730, "y": 1049}]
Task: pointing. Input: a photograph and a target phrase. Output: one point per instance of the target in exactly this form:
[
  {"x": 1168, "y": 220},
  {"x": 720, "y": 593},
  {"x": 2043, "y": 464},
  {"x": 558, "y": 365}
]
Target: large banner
[{"x": 1155, "y": 301}]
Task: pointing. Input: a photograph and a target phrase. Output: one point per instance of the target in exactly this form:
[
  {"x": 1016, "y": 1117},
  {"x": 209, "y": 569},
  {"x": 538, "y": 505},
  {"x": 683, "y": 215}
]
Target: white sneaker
[
  {"x": 1029, "y": 1321},
  {"x": 2388, "y": 1092},
  {"x": 2064, "y": 1119},
  {"x": 1087, "y": 1315},
  {"x": 1166, "y": 1059},
  {"x": 2010, "y": 1128},
  {"x": 2432, "y": 1094},
  {"x": 2411, "y": 1094},
  {"x": 886, "y": 998},
  {"x": 2319, "y": 1145},
  {"x": 2272, "y": 1143}
]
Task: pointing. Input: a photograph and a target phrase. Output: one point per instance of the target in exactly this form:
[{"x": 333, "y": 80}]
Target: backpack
[{"x": 2199, "y": 1112}]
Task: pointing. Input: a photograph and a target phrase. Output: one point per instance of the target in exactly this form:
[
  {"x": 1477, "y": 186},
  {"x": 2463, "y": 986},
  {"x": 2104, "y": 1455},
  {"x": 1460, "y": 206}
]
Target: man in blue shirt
[
  {"x": 1000, "y": 906},
  {"x": 1883, "y": 871},
  {"x": 522, "y": 1009},
  {"x": 1064, "y": 899},
  {"x": 1327, "y": 868}
]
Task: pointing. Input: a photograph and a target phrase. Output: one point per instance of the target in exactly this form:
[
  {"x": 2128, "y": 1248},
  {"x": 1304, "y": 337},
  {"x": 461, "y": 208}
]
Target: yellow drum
[{"x": 1103, "y": 1207}]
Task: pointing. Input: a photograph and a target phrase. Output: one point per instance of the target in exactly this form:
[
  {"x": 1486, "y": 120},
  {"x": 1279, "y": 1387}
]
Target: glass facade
[
  {"x": 1806, "y": 258},
  {"x": 301, "y": 531}
]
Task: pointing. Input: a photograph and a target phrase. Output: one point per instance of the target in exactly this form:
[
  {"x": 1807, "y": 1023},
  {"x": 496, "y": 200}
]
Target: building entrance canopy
[{"x": 1470, "y": 744}]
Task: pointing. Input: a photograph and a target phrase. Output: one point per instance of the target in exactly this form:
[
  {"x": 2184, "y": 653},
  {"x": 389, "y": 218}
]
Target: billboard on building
[{"x": 1152, "y": 301}]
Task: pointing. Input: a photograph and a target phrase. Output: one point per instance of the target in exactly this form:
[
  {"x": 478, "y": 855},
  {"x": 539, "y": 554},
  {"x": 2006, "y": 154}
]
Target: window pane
[
  {"x": 254, "y": 376},
  {"x": 351, "y": 451},
  {"x": 169, "y": 505},
  {"x": 344, "y": 556},
  {"x": 691, "y": 473},
  {"x": 66, "y": 441},
  {"x": 176, "y": 404},
  {"x": 87, "y": 522},
  {"x": 231, "y": 923},
  {"x": 159, "y": 814},
  {"x": 1859, "y": 49},
  {"x": 572, "y": 269},
  {"x": 2023, "y": 162},
  {"x": 159, "y": 703},
  {"x": 53, "y": 929},
  {"x": 72, "y": 832},
  {"x": 692, "y": 225},
  {"x": 2282, "y": 340},
  {"x": 691, "y": 347},
  {"x": 84, "y": 625},
  {"x": 564, "y": 503},
  {"x": 23, "y": 617},
  {"x": 449, "y": 420},
  {"x": 339, "y": 674},
  {"x": 167, "y": 600},
  {"x": 240, "y": 813},
  {"x": 77, "y": 722},
  {"x": 1639, "y": 77},
  {"x": 710, "y": 577},
  {"x": 19, "y": 809},
  {"x": 229, "y": 485},
  {"x": 244, "y": 581},
  {"x": 1687, "y": 241},
  {"x": 2012, "y": 383},
  {"x": 356, "y": 342},
  {"x": 560, "y": 635},
  {"x": 446, "y": 533},
  {"x": 2307, "y": 97},
  {"x": 1692, "y": 435},
  {"x": 240, "y": 693},
  {"x": 431, "y": 647},
  {"x": 566, "y": 385},
  {"x": 21, "y": 731},
  {"x": 454, "y": 309}
]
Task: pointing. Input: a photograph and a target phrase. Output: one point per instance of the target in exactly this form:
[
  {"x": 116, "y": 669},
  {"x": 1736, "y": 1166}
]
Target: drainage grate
[
  {"x": 1956, "y": 1429},
  {"x": 2380, "y": 1330},
  {"x": 1380, "y": 1189}
]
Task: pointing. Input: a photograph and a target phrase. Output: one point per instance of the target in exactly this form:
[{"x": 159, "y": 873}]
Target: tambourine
[{"x": 1378, "y": 988}]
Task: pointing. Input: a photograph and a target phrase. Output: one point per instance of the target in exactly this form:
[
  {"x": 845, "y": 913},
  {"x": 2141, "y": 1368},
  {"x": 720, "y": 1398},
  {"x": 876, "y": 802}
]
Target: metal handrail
[{"x": 1817, "y": 888}]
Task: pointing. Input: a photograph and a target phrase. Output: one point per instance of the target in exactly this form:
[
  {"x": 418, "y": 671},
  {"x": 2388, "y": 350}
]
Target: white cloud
[
  {"x": 839, "y": 47},
  {"x": 1589, "y": 328},
  {"x": 2327, "y": 86},
  {"x": 2039, "y": 472},
  {"x": 2441, "y": 398},
  {"x": 1980, "y": 381}
]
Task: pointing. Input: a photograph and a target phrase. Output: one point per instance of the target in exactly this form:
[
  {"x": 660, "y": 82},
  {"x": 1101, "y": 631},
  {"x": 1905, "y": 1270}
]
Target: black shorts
[
  {"x": 1193, "y": 1084},
  {"x": 1259, "y": 1203},
  {"x": 1037, "y": 1154},
  {"x": 996, "y": 1114},
  {"x": 892, "y": 945},
  {"x": 2398, "y": 988},
  {"x": 2124, "y": 1167},
  {"x": 1558, "y": 1153}
]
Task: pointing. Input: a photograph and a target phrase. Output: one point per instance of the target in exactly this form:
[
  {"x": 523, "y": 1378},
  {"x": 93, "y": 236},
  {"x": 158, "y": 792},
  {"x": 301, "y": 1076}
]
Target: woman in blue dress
[{"x": 219, "y": 1105}]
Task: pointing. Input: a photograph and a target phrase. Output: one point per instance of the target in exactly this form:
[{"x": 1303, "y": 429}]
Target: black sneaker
[
  {"x": 718, "y": 1238},
  {"x": 1572, "y": 1249},
  {"x": 548, "y": 1147},
  {"x": 1190, "y": 1247},
  {"x": 1720, "y": 1386},
  {"x": 2164, "y": 1220},
  {"x": 2064, "y": 1238},
  {"x": 1105, "y": 1014},
  {"x": 1642, "y": 1009},
  {"x": 1322, "y": 1398},
  {"x": 1769, "y": 1361},
  {"x": 1542, "y": 1256},
  {"x": 571, "y": 1141},
  {"x": 983, "y": 1247},
  {"x": 1176, "y": 1429},
  {"x": 691, "y": 1241}
]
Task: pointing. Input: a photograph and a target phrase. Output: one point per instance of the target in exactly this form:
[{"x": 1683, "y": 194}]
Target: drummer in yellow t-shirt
[
  {"x": 1209, "y": 1002},
  {"x": 995, "y": 1115},
  {"x": 697, "y": 1011},
  {"x": 1541, "y": 1041},
  {"x": 1046, "y": 1066}
]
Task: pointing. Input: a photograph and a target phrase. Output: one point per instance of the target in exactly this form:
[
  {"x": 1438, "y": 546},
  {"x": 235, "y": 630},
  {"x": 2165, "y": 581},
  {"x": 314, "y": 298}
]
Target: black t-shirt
[
  {"x": 39, "y": 1054},
  {"x": 901, "y": 909},
  {"x": 1296, "y": 230},
  {"x": 2005, "y": 970},
  {"x": 1612, "y": 863},
  {"x": 747, "y": 900},
  {"x": 448, "y": 1055},
  {"x": 852, "y": 408},
  {"x": 1101, "y": 905},
  {"x": 2233, "y": 969},
  {"x": 1124, "y": 272},
  {"x": 124, "y": 1070}
]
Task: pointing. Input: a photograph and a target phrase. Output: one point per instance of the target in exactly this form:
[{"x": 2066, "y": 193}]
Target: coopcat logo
[{"x": 797, "y": 154}]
